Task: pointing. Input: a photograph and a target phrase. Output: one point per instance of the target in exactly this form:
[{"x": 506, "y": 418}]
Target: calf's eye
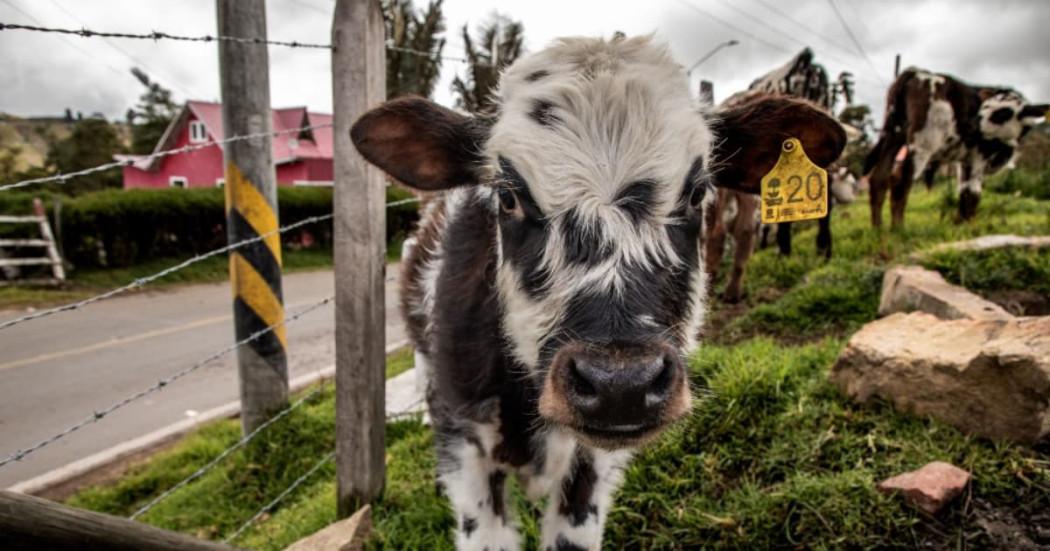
[
  {"x": 697, "y": 197},
  {"x": 508, "y": 202}
]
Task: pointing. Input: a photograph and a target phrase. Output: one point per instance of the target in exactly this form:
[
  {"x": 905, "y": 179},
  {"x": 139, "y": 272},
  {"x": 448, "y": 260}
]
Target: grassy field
[{"x": 772, "y": 457}]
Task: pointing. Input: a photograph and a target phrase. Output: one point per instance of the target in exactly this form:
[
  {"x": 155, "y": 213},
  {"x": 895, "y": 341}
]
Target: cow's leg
[
  {"x": 475, "y": 486},
  {"x": 744, "y": 227},
  {"x": 824, "y": 233},
  {"x": 764, "y": 231},
  {"x": 971, "y": 174},
  {"x": 576, "y": 514},
  {"x": 784, "y": 238},
  {"x": 715, "y": 239},
  {"x": 902, "y": 185},
  {"x": 880, "y": 179}
]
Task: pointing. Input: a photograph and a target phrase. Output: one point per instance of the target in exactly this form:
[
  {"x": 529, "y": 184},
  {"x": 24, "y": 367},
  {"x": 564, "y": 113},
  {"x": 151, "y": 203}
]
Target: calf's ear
[
  {"x": 748, "y": 138},
  {"x": 420, "y": 143}
]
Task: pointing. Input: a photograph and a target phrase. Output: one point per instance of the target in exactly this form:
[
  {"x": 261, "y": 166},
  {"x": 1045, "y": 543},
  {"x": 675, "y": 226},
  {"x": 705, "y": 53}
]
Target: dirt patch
[{"x": 1021, "y": 302}]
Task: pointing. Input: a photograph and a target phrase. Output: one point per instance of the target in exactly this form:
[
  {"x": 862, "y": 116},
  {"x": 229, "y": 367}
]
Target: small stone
[{"x": 931, "y": 487}]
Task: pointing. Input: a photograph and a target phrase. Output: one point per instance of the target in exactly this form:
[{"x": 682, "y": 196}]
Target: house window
[
  {"x": 198, "y": 133},
  {"x": 178, "y": 181},
  {"x": 220, "y": 182}
]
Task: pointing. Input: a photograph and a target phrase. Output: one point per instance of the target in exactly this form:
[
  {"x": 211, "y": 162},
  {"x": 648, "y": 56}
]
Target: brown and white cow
[
  {"x": 736, "y": 213},
  {"x": 933, "y": 119},
  {"x": 556, "y": 282}
]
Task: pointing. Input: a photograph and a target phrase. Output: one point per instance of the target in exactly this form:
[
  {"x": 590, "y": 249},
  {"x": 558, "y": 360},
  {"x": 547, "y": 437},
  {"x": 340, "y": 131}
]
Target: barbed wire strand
[
  {"x": 225, "y": 453},
  {"x": 62, "y": 178},
  {"x": 142, "y": 281},
  {"x": 269, "y": 506},
  {"x": 159, "y": 385},
  {"x": 422, "y": 53},
  {"x": 158, "y": 35},
  {"x": 410, "y": 410}
]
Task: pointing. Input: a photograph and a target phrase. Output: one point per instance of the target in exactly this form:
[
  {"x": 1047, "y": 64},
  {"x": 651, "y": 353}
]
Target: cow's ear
[
  {"x": 748, "y": 138},
  {"x": 421, "y": 144},
  {"x": 1035, "y": 111}
]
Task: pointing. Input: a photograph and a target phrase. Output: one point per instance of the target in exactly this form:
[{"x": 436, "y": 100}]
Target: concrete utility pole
[
  {"x": 897, "y": 66},
  {"x": 358, "y": 83},
  {"x": 251, "y": 210}
]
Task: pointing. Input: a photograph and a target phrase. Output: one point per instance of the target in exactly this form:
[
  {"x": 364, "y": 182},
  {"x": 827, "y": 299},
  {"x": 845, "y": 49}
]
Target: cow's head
[
  {"x": 597, "y": 167},
  {"x": 1007, "y": 116}
]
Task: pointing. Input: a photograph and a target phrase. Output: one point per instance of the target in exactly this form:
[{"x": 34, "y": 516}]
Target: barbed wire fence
[{"x": 99, "y": 415}]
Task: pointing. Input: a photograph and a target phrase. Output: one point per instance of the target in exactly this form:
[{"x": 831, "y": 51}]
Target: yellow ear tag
[{"x": 796, "y": 189}]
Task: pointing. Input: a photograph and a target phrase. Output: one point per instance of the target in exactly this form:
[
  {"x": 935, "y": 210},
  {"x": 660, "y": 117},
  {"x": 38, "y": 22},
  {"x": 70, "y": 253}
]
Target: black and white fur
[{"x": 565, "y": 236}]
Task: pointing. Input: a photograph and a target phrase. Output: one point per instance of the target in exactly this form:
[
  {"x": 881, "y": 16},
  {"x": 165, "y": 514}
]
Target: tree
[
  {"x": 151, "y": 116},
  {"x": 419, "y": 31},
  {"x": 857, "y": 116},
  {"x": 93, "y": 142},
  {"x": 843, "y": 86},
  {"x": 500, "y": 41}
]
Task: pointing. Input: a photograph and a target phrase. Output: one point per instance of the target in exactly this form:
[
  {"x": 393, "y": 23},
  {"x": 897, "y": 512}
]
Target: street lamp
[{"x": 708, "y": 55}]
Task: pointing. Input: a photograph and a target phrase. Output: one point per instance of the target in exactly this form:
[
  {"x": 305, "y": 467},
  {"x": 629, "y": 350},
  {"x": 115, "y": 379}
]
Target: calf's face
[{"x": 597, "y": 168}]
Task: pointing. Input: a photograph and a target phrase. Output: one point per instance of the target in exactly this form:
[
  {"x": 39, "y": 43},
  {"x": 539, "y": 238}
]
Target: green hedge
[{"x": 123, "y": 228}]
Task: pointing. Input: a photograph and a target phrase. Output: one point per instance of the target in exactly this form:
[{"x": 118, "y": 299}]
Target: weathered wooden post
[
  {"x": 29, "y": 523},
  {"x": 358, "y": 83},
  {"x": 251, "y": 210}
]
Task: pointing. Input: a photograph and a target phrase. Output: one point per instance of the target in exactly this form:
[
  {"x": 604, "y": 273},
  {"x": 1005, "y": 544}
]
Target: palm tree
[
  {"x": 500, "y": 41},
  {"x": 411, "y": 36}
]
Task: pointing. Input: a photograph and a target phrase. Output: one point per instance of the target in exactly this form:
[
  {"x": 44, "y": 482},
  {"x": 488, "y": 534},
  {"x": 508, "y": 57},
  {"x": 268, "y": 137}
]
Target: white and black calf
[
  {"x": 932, "y": 119},
  {"x": 556, "y": 280}
]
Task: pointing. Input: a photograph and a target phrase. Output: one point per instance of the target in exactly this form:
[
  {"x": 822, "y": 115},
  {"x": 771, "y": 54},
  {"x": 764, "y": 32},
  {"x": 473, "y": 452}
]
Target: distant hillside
[{"x": 32, "y": 136}]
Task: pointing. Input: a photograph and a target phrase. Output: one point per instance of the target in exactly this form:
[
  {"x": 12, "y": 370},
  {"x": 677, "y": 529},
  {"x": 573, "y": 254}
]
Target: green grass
[
  {"x": 773, "y": 456},
  {"x": 248, "y": 478},
  {"x": 1006, "y": 268}
]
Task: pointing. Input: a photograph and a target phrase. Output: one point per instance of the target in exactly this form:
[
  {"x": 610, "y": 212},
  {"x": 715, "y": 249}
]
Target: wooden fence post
[
  {"x": 31, "y": 523},
  {"x": 358, "y": 83},
  {"x": 251, "y": 210}
]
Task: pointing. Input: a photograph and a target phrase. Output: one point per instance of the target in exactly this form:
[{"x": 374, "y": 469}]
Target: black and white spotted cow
[
  {"x": 556, "y": 280},
  {"x": 932, "y": 119}
]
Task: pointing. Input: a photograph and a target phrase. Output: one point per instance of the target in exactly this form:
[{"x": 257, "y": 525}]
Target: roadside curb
[{"x": 137, "y": 446}]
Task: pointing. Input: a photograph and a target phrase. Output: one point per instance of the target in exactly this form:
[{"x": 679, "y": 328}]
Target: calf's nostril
[
  {"x": 580, "y": 384},
  {"x": 662, "y": 382}
]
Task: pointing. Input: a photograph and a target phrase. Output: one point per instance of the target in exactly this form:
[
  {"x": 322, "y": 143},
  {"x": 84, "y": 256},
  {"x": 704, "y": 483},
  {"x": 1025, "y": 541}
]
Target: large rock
[
  {"x": 987, "y": 242},
  {"x": 986, "y": 377},
  {"x": 913, "y": 288},
  {"x": 929, "y": 488}
]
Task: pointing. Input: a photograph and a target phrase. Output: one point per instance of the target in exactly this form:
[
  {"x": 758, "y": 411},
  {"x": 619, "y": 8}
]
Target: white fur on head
[
  {"x": 1010, "y": 130},
  {"x": 619, "y": 112}
]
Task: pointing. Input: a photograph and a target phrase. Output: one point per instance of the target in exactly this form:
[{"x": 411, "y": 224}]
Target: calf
[
  {"x": 735, "y": 212},
  {"x": 935, "y": 118},
  {"x": 556, "y": 280}
]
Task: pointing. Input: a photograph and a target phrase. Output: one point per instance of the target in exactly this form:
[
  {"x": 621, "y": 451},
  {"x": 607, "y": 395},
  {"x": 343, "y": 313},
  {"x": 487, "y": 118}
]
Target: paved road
[{"x": 55, "y": 371}]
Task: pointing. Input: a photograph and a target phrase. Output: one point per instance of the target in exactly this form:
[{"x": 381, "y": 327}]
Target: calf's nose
[{"x": 620, "y": 393}]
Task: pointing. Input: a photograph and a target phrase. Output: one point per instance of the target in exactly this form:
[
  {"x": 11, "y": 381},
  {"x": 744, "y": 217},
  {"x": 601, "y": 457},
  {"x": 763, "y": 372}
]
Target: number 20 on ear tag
[{"x": 796, "y": 189}]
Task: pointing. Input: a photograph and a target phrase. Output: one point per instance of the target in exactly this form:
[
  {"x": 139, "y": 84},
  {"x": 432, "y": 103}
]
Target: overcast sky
[{"x": 1003, "y": 42}]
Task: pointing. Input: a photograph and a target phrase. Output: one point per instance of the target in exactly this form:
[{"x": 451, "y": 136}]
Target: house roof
[{"x": 289, "y": 147}]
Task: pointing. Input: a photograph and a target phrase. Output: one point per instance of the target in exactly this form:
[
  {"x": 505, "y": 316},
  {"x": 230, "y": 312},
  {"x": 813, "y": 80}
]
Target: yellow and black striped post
[{"x": 251, "y": 211}]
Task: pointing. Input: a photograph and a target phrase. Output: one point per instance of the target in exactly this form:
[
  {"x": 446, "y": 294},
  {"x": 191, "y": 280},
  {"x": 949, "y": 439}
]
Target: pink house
[{"x": 302, "y": 158}]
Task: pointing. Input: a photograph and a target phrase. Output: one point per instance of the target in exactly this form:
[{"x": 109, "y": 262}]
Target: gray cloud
[{"x": 978, "y": 41}]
